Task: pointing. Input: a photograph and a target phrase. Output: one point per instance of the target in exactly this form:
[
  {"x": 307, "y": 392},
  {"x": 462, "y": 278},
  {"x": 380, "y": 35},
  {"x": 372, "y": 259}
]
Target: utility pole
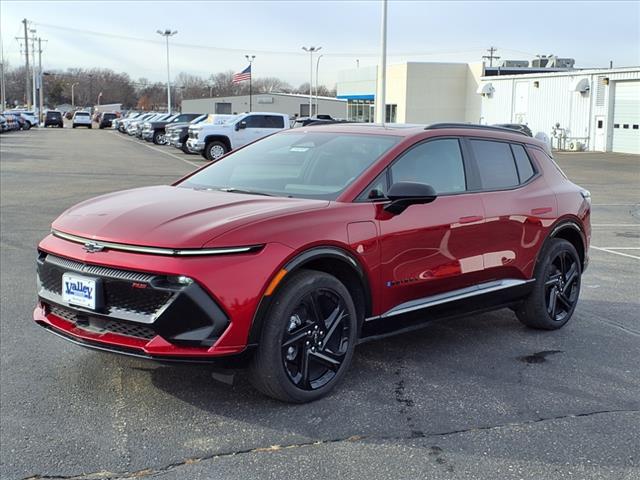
[
  {"x": 491, "y": 57},
  {"x": 250, "y": 59},
  {"x": 381, "y": 104},
  {"x": 40, "y": 82},
  {"x": 33, "y": 69},
  {"x": 27, "y": 87},
  {"x": 317, "y": 68},
  {"x": 311, "y": 50}
]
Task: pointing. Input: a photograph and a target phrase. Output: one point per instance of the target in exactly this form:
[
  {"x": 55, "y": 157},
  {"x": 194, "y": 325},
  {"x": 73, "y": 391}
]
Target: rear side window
[
  {"x": 437, "y": 163},
  {"x": 495, "y": 164},
  {"x": 525, "y": 169},
  {"x": 273, "y": 121}
]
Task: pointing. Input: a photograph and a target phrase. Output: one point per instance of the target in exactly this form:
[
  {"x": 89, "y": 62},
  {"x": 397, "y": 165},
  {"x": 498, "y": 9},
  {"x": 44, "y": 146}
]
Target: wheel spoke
[
  {"x": 304, "y": 369},
  {"x": 553, "y": 296},
  {"x": 565, "y": 301},
  {"x": 326, "y": 359},
  {"x": 296, "y": 337},
  {"x": 553, "y": 279},
  {"x": 332, "y": 323},
  {"x": 315, "y": 312},
  {"x": 571, "y": 276},
  {"x": 563, "y": 263}
]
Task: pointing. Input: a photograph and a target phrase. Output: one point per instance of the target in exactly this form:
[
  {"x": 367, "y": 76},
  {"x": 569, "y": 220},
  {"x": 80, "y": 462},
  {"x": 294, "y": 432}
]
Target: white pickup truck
[{"x": 213, "y": 141}]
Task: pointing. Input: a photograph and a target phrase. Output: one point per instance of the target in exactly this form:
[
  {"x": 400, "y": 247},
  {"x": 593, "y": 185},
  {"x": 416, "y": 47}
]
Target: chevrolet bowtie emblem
[{"x": 93, "y": 247}]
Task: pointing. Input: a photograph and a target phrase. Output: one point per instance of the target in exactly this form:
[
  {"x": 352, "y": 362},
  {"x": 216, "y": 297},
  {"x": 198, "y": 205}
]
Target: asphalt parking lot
[{"x": 477, "y": 397}]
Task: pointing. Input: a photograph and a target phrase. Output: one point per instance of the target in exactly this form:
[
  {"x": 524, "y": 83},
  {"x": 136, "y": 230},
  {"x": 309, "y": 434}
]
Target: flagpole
[{"x": 250, "y": 60}]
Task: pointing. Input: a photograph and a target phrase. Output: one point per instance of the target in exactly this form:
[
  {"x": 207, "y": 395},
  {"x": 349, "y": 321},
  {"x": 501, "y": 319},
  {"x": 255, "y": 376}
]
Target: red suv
[{"x": 285, "y": 254}]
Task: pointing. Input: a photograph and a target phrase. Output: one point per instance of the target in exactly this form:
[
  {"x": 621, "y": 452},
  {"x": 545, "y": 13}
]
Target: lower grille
[{"x": 99, "y": 325}]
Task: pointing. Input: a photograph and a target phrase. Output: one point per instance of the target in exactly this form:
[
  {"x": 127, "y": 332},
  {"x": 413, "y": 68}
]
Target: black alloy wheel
[
  {"x": 307, "y": 340},
  {"x": 562, "y": 286},
  {"x": 554, "y": 295},
  {"x": 316, "y": 339}
]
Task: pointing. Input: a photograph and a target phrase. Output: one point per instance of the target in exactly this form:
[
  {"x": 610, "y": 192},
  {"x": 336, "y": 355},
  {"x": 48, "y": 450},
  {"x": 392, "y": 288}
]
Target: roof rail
[{"x": 474, "y": 126}]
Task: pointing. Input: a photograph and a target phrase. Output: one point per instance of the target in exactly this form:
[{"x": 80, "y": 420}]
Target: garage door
[{"x": 626, "y": 118}]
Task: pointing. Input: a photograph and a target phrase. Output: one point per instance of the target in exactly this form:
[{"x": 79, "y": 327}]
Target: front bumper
[
  {"x": 195, "y": 145},
  {"x": 147, "y": 134},
  {"x": 142, "y": 315}
]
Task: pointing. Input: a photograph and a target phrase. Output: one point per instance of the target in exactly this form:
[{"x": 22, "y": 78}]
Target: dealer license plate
[{"x": 79, "y": 290}]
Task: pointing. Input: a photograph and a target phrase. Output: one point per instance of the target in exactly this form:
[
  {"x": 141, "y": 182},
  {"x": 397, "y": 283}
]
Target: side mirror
[
  {"x": 405, "y": 194},
  {"x": 241, "y": 125}
]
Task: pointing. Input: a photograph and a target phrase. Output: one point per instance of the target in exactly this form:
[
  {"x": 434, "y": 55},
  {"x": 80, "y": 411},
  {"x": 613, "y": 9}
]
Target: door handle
[{"x": 470, "y": 219}]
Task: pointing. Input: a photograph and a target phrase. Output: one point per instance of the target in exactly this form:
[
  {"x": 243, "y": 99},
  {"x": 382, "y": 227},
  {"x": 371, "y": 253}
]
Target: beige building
[
  {"x": 416, "y": 92},
  {"x": 289, "y": 103}
]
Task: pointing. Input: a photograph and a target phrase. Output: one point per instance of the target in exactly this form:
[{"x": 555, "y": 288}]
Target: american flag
[{"x": 243, "y": 75}]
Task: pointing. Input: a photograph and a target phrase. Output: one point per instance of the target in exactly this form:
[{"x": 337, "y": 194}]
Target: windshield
[{"x": 311, "y": 165}]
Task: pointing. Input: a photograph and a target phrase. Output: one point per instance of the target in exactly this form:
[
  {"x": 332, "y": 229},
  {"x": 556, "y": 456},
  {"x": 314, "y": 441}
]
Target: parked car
[
  {"x": 213, "y": 141},
  {"x": 177, "y": 134},
  {"x": 53, "y": 118},
  {"x": 155, "y": 131},
  {"x": 285, "y": 254},
  {"x": 518, "y": 127},
  {"x": 14, "y": 122},
  {"x": 28, "y": 118},
  {"x": 157, "y": 117},
  {"x": 81, "y": 119},
  {"x": 106, "y": 119},
  {"x": 4, "y": 126},
  {"x": 121, "y": 124},
  {"x": 132, "y": 127},
  {"x": 315, "y": 120}
]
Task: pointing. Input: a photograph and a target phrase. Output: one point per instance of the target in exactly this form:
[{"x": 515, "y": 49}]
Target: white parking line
[
  {"x": 156, "y": 149},
  {"x": 615, "y": 253},
  {"x": 621, "y": 248},
  {"x": 615, "y": 224}
]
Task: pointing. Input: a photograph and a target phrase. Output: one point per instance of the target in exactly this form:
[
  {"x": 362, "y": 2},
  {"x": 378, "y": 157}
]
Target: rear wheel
[
  {"x": 214, "y": 150},
  {"x": 308, "y": 339},
  {"x": 555, "y": 295}
]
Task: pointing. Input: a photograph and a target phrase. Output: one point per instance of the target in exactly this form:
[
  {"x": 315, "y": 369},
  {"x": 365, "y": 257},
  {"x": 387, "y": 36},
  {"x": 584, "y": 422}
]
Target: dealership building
[
  {"x": 289, "y": 103},
  {"x": 596, "y": 109}
]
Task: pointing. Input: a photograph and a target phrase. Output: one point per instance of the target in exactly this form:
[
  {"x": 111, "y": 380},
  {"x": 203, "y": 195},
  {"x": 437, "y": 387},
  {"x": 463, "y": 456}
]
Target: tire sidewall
[
  {"x": 270, "y": 350},
  {"x": 208, "y": 148}
]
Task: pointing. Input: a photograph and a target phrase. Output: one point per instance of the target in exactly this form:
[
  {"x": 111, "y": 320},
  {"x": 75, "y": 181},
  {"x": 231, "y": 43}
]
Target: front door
[{"x": 432, "y": 248}]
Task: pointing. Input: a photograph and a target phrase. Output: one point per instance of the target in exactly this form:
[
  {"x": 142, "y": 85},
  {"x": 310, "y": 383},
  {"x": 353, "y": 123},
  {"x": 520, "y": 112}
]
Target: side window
[
  {"x": 377, "y": 190},
  {"x": 273, "y": 121},
  {"x": 495, "y": 163},
  {"x": 525, "y": 169},
  {"x": 255, "y": 121},
  {"x": 437, "y": 163}
]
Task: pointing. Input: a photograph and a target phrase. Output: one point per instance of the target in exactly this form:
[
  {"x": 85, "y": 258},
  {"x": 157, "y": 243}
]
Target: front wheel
[
  {"x": 214, "y": 150},
  {"x": 307, "y": 340},
  {"x": 27, "y": 126},
  {"x": 159, "y": 138},
  {"x": 555, "y": 294}
]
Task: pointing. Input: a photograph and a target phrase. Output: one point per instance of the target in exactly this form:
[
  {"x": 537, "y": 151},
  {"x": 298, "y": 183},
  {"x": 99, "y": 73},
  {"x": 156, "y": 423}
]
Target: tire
[
  {"x": 555, "y": 294},
  {"x": 27, "y": 126},
  {"x": 89, "y": 127},
  {"x": 74, "y": 125},
  {"x": 328, "y": 338},
  {"x": 159, "y": 138},
  {"x": 184, "y": 148},
  {"x": 214, "y": 150}
]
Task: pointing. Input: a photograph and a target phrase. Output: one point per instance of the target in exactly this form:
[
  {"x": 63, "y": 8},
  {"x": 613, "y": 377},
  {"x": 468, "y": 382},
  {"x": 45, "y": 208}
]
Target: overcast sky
[{"x": 213, "y": 36}]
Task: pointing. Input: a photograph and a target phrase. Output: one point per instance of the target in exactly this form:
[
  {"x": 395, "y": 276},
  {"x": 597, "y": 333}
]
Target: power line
[{"x": 491, "y": 55}]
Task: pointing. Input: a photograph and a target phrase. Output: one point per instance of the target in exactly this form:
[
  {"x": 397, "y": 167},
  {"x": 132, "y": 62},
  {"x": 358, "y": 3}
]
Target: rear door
[
  {"x": 433, "y": 248},
  {"x": 518, "y": 204}
]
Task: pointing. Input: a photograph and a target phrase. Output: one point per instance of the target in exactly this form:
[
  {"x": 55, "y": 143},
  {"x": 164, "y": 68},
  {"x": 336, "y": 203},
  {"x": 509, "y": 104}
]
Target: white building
[
  {"x": 595, "y": 109},
  {"x": 416, "y": 92},
  {"x": 289, "y": 103}
]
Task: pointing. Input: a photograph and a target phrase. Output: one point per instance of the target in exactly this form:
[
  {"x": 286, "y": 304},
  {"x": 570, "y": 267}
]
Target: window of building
[
  {"x": 223, "y": 108},
  {"x": 304, "y": 110},
  {"x": 360, "y": 111},
  {"x": 495, "y": 163},
  {"x": 525, "y": 169},
  {"x": 391, "y": 112},
  {"x": 437, "y": 163}
]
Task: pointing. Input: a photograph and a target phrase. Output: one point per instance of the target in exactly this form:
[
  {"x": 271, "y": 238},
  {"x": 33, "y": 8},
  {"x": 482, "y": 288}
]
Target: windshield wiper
[{"x": 239, "y": 190}]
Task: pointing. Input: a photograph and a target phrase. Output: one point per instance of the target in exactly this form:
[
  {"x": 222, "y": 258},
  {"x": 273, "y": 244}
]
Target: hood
[
  {"x": 172, "y": 217},
  {"x": 177, "y": 125}
]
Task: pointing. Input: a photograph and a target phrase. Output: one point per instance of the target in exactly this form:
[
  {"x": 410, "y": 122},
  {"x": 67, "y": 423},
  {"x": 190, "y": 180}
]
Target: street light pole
[
  {"x": 382, "y": 77},
  {"x": 317, "y": 69},
  {"x": 166, "y": 34},
  {"x": 311, "y": 50},
  {"x": 250, "y": 59}
]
